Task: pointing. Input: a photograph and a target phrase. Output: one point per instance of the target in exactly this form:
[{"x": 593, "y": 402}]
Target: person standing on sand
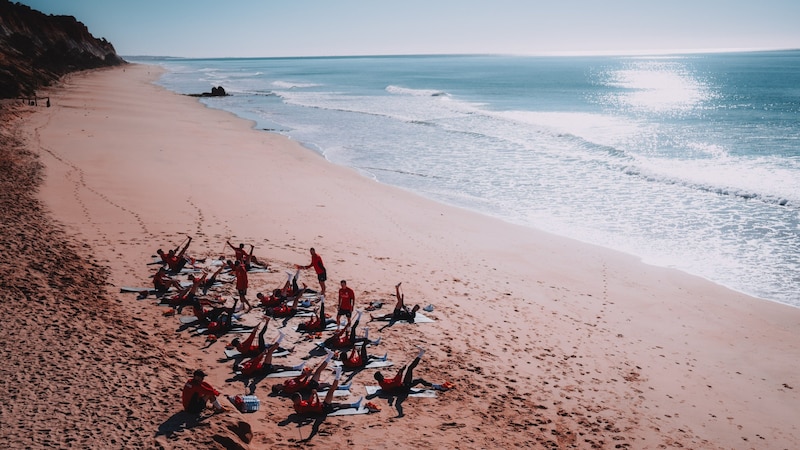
[
  {"x": 347, "y": 301},
  {"x": 319, "y": 268},
  {"x": 240, "y": 271},
  {"x": 197, "y": 393}
]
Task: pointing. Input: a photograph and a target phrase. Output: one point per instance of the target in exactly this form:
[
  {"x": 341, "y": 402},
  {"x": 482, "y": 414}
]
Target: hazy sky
[{"x": 251, "y": 28}]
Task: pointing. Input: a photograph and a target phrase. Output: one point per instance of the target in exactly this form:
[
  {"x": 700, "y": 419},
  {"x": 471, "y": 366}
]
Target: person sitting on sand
[
  {"x": 305, "y": 382},
  {"x": 358, "y": 358},
  {"x": 313, "y": 406},
  {"x": 175, "y": 259},
  {"x": 197, "y": 393},
  {"x": 401, "y": 384},
  {"x": 401, "y": 311},
  {"x": 162, "y": 282},
  {"x": 261, "y": 364}
]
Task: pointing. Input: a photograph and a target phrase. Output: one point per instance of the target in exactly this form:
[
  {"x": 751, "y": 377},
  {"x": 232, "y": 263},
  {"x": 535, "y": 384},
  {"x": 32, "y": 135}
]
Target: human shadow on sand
[
  {"x": 182, "y": 421},
  {"x": 301, "y": 421}
]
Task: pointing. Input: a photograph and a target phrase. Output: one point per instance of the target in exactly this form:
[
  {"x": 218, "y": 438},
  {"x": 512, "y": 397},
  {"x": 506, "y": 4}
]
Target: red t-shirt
[
  {"x": 193, "y": 387},
  {"x": 347, "y": 299},
  {"x": 354, "y": 361},
  {"x": 240, "y": 272},
  {"x": 310, "y": 406},
  {"x": 316, "y": 263},
  {"x": 254, "y": 365},
  {"x": 389, "y": 384}
]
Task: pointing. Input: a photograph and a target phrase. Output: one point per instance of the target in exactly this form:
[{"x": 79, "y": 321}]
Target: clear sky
[{"x": 254, "y": 28}]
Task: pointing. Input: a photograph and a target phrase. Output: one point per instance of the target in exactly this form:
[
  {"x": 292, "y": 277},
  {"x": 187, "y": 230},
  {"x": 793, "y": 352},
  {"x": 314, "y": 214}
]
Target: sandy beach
[{"x": 550, "y": 343}]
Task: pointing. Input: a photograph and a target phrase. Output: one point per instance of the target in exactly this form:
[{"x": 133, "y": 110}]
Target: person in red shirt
[
  {"x": 402, "y": 384},
  {"x": 240, "y": 272},
  {"x": 246, "y": 347},
  {"x": 175, "y": 259},
  {"x": 313, "y": 406},
  {"x": 261, "y": 364},
  {"x": 241, "y": 255},
  {"x": 317, "y": 323},
  {"x": 162, "y": 282},
  {"x": 305, "y": 382},
  {"x": 197, "y": 393},
  {"x": 319, "y": 268},
  {"x": 347, "y": 301},
  {"x": 358, "y": 358},
  {"x": 401, "y": 311}
]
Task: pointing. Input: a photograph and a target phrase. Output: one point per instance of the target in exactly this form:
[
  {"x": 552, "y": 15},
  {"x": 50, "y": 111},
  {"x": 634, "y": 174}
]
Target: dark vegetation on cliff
[{"x": 37, "y": 49}]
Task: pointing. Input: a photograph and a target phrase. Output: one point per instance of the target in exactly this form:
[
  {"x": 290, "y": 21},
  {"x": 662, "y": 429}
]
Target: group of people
[{"x": 257, "y": 355}]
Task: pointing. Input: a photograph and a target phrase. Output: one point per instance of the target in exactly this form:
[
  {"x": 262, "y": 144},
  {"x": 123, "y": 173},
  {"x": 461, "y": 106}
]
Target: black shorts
[
  {"x": 322, "y": 276},
  {"x": 242, "y": 292},
  {"x": 345, "y": 312},
  {"x": 313, "y": 384}
]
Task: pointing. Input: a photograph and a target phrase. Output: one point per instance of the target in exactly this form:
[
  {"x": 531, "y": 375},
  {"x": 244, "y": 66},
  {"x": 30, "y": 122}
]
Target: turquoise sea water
[{"x": 691, "y": 162}]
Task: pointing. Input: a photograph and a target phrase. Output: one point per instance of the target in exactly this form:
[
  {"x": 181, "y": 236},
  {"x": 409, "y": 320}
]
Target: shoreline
[
  {"x": 722, "y": 271},
  {"x": 572, "y": 335}
]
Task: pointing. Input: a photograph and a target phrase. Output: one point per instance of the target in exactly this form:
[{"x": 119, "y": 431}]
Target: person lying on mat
[
  {"x": 261, "y": 364},
  {"x": 318, "y": 322},
  {"x": 402, "y": 384},
  {"x": 305, "y": 382},
  {"x": 342, "y": 339},
  {"x": 289, "y": 291},
  {"x": 221, "y": 317},
  {"x": 358, "y": 358},
  {"x": 248, "y": 346},
  {"x": 197, "y": 393},
  {"x": 162, "y": 281},
  {"x": 175, "y": 259},
  {"x": 283, "y": 310},
  {"x": 313, "y": 406},
  {"x": 401, "y": 311},
  {"x": 207, "y": 284}
]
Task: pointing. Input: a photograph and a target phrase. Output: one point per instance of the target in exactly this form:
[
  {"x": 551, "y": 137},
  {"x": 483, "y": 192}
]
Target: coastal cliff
[{"x": 37, "y": 49}]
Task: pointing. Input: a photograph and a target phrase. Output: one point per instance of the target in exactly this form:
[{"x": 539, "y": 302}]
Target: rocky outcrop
[
  {"x": 37, "y": 49},
  {"x": 218, "y": 91}
]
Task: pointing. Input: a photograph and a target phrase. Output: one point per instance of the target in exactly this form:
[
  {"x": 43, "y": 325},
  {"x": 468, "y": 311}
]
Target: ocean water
[{"x": 687, "y": 161}]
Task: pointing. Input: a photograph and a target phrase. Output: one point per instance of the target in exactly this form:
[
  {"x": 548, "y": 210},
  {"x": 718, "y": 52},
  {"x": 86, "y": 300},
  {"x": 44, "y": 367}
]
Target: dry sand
[{"x": 551, "y": 343}]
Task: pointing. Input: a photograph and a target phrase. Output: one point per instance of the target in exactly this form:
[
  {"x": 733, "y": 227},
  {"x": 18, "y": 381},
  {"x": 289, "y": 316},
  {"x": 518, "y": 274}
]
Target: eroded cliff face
[{"x": 37, "y": 49}]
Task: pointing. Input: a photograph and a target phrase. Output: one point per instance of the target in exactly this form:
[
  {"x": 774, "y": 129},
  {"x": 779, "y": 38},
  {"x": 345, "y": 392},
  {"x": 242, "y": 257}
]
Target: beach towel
[
  {"x": 350, "y": 411},
  {"x": 371, "y": 365},
  {"x": 232, "y": 352}
]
